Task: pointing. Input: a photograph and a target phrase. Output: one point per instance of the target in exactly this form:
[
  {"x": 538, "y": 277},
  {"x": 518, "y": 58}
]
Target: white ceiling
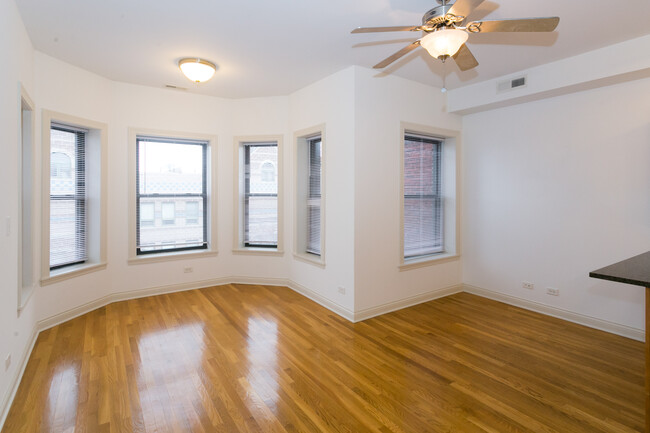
[{"x": 266, "y": 48}]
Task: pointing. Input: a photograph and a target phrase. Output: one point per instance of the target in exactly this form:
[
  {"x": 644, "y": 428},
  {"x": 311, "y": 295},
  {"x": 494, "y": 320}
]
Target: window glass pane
[
  {"x": 170, "y": 172},
  {"x": 262, "y": 171},
  {"x": 261, "y": 194},
  {"x": 262, "y": 220},
  {"x": 313, "y": 203},
  {"x": 168, "y": 168},
  {"x": 67, "y": 198},
  {"x": 422, "y": 197}
]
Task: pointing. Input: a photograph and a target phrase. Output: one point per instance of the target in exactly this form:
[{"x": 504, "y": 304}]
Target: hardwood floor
[{"x": 241, "y": 358}]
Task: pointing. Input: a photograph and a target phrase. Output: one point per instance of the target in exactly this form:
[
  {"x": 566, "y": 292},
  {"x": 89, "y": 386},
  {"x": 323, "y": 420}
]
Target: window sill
[
  {"x": 165, "y": 257},
  {"x": 71, "y": 272},
  {"x": 434, "y": 259},
  {"x": 311, "y": 259},
  {"x": 257, "y": 252},
  {"x": 25, "y": 296}
]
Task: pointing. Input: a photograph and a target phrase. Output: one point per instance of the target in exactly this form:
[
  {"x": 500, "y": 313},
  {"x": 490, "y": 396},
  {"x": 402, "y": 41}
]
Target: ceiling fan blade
[
  {"x": 465, "y": 59},
  {"x": 464, "y": 7},
  {"x": 404, "y": 51},
  {"x": 515, "y": 25},
  {"x": 386, "y": 29}
]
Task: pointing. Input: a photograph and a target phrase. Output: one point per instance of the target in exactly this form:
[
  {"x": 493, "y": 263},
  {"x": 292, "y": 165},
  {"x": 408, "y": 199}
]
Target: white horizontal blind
[
  {"x": 171, "y": 194},
  {"x": 67, "y": 196},
  {"x": 314, "y": 199},
  {"x": 423, "y": 233},
  {"x": 261, "y": 195}
]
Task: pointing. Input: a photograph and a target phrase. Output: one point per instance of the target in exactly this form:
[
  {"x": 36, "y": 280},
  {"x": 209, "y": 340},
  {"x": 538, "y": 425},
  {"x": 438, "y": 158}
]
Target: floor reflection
[
  {"x": 62, "y": 398},
  {"x": 262, "y": 357},
  {"x": 170, "y": 363}
]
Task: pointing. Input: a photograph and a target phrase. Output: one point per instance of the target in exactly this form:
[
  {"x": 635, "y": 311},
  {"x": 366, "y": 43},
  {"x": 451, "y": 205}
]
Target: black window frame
[
  {"x": 79, "y": 196},
  {"x": 248, "y": 195},
  {"x": 436, "y": 196},
  {"x": 203, "y": 196},
  {"x": 314, "y": 197}
]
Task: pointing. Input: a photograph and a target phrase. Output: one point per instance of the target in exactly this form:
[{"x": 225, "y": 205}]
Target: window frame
[
  {"x": 301, "y": 195},
  {"x": 240, "y": 246},
  {"x": 79, "y": 195},
  {"x": 450, "y": 196},
  {"x": 210, "y": 206},
  {"x": 312, "y": 199},
  {"x": 96, "y": 153},
  {"x": 27, "y": 208},
  {"x": 248, "y": 194}
]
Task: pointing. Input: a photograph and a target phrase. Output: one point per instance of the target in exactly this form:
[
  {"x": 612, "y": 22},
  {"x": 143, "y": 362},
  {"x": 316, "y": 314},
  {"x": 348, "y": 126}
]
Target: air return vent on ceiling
[{"x": 511, "y": 84}]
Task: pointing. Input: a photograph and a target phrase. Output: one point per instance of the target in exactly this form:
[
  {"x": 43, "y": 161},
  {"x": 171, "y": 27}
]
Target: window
[
  {"x": 168, "y": 212},
  {"x": 260, "y": 195},
  {"x": 313, "y": 202},
  {"x": 268, "y": 172},
  {"x": 309, "y": 239},
  {"x": 60, "y": 165},
  {"x": 67, "y": 196},
  {"x": 423, "y": 204},
  {"x": 73, "y": 236},
  {"x": 25, "y": 211},
  {"x": 169, "y": 171},
  {"x": 147, "y": 213},
  {"x": 192, "y": 212}
]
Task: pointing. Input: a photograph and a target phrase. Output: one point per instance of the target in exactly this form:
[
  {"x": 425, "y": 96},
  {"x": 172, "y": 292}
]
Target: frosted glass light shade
[
  {"x": 444, "y": 42},
  {"x": 197, "y": 70}
]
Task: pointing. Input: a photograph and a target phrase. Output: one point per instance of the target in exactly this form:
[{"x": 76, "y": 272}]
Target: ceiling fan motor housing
[{"x": 435, "y": 17}]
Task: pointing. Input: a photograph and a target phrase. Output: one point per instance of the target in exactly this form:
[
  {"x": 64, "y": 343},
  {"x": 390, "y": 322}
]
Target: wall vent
[
  {"x": 511, "y": 83},
  {"x": 171, "y": 86}
]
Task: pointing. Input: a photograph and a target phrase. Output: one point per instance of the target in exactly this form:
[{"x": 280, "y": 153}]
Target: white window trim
[
  {"x": 238, "y": 247},
  {"x": 133, "y": 258},
  {"x": 48, "y": 276},
  {"x": 450, "y": 138},
  {"x": 300, "y": 139},
  {"x": 25, "y": 292}
]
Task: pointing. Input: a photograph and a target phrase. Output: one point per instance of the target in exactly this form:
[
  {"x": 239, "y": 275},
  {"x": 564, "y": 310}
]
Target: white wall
[
  {"x": 382, "y": 103},
  {"x": 330, "y": 102},
  {"x": 17, "y": 66},
  {"x": 555, "y": 189},
  {"x": 66, "y": 89}
]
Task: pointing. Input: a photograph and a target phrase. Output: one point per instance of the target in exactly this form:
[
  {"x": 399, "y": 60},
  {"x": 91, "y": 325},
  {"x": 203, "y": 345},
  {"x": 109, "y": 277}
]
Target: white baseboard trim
[
  {"x": 407, "y": 302},
  {"x": 13, "y": 389},
  {"x": 570, "y": 316},
  {"x": 332, "y": 306}
]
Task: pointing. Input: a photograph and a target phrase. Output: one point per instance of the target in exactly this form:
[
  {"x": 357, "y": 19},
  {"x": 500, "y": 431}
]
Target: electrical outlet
[
  {"x": 527, "y": 285},
  {"x": 342, "y": 290},
  {"x": 188, "y": 270},
  {"x": 7, "y": 362},
  {"x": 553, "y": 292}
]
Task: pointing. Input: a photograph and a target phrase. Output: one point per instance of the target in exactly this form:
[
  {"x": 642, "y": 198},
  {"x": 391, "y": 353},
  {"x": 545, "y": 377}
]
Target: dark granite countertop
[{"x": 635, "y": 270}]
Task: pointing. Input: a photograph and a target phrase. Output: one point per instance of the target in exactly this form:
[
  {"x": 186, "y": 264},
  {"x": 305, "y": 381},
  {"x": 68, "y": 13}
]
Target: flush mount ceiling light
[
  {"x": 197, "y": 70},
  {"x": 444, "y": 42}
]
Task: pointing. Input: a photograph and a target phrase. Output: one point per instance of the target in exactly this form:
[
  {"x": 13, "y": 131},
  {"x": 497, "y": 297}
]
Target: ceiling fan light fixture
[
  {"x": 197, "y": 70},
  {"x": 444, "y": 42}
]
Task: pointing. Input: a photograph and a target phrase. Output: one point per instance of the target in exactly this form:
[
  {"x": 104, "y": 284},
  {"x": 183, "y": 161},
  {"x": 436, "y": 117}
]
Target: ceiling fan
[{"x": 445, "y": 32}]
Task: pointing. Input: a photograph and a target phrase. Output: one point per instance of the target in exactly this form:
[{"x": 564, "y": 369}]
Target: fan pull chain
[{"x": 444, "y": 79}]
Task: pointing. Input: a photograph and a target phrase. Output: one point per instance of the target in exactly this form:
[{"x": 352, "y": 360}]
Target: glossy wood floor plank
[{"x": 243, "y": 358}]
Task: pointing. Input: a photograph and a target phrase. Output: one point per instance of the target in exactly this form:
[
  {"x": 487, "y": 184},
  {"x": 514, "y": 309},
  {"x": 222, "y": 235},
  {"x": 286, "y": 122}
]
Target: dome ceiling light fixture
[{"x": 197, "y": 70}]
